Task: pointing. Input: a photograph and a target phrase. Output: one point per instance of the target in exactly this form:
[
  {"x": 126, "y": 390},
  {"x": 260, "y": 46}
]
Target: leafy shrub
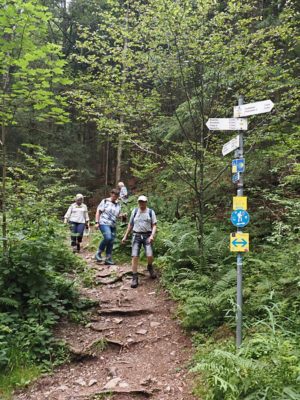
[
  {"x": 265, "y": 367},
  {"x": 34, "y": 284}
]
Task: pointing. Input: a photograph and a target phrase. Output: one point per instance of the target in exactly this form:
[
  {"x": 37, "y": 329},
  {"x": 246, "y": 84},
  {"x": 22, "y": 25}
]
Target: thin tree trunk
[
  {"x": 119, "y": 154},
  {"x": 106, "y": 165},
  {"x": 4, "y": 175},
  {"x": 6, "y": 79},
  {"x": 120, "y": 140}
]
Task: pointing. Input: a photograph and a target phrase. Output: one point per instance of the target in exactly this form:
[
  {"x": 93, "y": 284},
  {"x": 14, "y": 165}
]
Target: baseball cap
[
  {"x": 142, "y": 198},
  {"x": 78, "y": 196}
]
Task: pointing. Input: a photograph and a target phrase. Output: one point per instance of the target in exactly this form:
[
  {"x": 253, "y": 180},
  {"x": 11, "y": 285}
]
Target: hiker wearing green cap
[
  {"x": 78, "y": 218},
  {"x": 143, "y": 223}
]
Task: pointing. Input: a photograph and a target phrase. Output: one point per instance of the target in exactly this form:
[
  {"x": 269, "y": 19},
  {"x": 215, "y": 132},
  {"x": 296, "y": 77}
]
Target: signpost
[
  {"x": 239, "y": 241},
  {"x": 227, "y": 124},
  {"x": 238, "y": 165},
  {"x": 233, "y": 144},
  {"x": 240, "y": 203},
  {"x": 260, "y": 107},
  {"x": 240, "y": 218}
]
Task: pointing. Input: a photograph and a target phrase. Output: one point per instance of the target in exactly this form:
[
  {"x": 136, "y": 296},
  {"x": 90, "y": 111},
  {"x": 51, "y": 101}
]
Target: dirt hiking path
[{"x": 133, "y": 348}]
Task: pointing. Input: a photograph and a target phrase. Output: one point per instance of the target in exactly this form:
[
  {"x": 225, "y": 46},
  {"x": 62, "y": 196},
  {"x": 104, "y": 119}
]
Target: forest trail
[{"x": 146, "y": 353}]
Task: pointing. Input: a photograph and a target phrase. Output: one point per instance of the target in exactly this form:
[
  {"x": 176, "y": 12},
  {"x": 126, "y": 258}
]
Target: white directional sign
[
  {"x": 260, "y": 107},
  {"x": 233, "y": 144},
  {"x": 227, "y": 124}
]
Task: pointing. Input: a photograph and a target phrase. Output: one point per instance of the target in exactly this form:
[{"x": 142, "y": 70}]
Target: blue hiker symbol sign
[
  {"x": 240, "y": 218},
  {"x": 238, "y": 165}
]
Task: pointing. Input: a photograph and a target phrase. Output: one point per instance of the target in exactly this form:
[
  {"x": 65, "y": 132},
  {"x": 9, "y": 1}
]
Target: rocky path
[{"x": 133, "y": 347}]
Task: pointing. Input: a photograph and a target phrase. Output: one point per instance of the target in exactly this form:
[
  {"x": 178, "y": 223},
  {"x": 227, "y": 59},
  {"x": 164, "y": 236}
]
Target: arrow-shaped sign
[
  {"x": 260, "y": 107},
  {"x": 233, "y": 144},
  {"x": 227, "y": 124},
  {"x": 242, "y": 243}
]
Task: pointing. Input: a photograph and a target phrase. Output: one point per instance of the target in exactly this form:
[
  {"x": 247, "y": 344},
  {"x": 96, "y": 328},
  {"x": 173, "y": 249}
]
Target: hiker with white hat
[
  {"x": 78, "y": 218},
  {"x": 143, "y": 223}
]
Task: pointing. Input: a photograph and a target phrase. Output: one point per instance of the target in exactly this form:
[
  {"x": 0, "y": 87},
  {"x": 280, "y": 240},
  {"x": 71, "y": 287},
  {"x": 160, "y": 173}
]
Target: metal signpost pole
[
  {"x": 239, "y": 297},
  {"x": 239, "y": 241}
]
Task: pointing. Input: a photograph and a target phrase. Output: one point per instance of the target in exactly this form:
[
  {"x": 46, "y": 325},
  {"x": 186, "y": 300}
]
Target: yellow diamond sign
[
  {"x": 239, "y": 242},
  {"x": 240, "y": 203}
]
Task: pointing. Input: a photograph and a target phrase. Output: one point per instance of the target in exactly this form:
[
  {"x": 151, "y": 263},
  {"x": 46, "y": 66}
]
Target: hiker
[
  {"x": 143, "y": 224},
  {"x": 123, "y": 192},
  {"x": 106, "y": 217},
  {"x": 78, "y": 218}
]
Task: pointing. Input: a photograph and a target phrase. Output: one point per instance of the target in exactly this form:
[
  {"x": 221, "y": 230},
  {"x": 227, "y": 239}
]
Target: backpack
[{"x": 136, "y": 211}]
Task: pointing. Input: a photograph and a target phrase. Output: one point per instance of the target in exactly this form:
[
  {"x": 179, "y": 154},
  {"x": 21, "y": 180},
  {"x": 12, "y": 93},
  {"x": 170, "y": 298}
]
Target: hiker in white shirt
[
  {"x": 143, "y": 223},
  {"x": 78, "y": 218},
  {"x": 123, "y": 192}
]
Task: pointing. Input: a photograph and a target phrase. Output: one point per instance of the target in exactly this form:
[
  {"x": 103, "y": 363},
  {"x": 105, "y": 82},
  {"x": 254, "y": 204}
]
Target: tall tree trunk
[
  {"x": 5, "y": 88},
  {"x": 124, "y": 67},
  {"x": 4, "y": 200},
  {"x": 106, "y": 164},
  {"x": 119, "y": 155}
]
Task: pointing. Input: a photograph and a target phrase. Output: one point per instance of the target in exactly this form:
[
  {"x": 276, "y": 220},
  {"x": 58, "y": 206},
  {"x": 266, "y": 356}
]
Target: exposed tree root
[
  {"x": 138, "y": 391},
  {"x": 117, "y": 278},
  {"x": 93, "y": 348},
  {"x": 100, "y": 327},
  {"x": 125, "y": 311}
]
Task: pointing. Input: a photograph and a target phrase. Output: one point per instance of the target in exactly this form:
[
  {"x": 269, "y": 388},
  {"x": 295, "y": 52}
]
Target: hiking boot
[
  {"x": 151, "y": 271},
  {"x": 78, "y": 247},
  {"x": 135, "y": 281},
  {"x": 109, "y": 261},
  {"x": 98, "y": 256},
  {"x": 74, "y": 248}
]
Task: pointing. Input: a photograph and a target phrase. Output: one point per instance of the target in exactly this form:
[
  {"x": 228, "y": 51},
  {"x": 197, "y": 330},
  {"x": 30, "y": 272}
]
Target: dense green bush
[
  {"x": 267, "y": 366},
  {"x": 34, "y": 284}
]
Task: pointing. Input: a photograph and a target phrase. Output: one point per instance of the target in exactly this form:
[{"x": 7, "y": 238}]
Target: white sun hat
[
  {"x": 142, "y": 198},
  {"x": 79, "y": 196}
]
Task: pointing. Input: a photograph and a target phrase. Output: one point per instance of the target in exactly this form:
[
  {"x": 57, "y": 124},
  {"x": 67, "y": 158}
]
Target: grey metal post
[{"x": 239, "y": 296}]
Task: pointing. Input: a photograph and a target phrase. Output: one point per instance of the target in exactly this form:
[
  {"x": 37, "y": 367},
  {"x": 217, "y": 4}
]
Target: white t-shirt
[
  {"x": 109, "y": 212},
  {"x": 77, "y": 213},
  {"x": 143, "y": 220}
]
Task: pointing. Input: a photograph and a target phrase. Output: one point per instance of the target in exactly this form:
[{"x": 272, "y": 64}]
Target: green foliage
[
  {"x": 31, "y": 67},
  {"x": 265, "y": 367},
  {"x": 34, "y": 284}
]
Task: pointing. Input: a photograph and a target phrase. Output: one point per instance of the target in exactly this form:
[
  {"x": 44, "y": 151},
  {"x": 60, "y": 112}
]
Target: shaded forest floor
[{"x": 132, "y": 348}]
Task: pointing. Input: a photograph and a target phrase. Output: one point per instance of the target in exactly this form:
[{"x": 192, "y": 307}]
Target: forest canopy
[{"x": 97, "y": 91}]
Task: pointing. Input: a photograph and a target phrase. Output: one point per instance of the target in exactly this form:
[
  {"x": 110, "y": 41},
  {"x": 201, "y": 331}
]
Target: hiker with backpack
[
  {"x": 106, "y": 218},
  {"x": 78, "y": 218},
  {"x": 143, "y": 224}
]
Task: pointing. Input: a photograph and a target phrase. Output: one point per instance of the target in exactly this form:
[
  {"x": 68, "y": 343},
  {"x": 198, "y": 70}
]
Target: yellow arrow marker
[
  {"x": 239, "y": 242},
  {"x": 240, "y": 203}
]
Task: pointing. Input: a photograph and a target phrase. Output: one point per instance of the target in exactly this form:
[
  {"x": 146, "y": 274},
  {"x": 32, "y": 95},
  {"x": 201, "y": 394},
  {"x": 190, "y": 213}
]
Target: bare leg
[
  {"x": 134, "y": 263},
  {"x": 150, "y": 260}
]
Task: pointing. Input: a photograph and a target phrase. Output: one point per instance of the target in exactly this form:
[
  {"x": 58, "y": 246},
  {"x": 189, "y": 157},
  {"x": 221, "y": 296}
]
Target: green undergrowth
[
  {"x": 37, "y": 272},
  {"x": 17, "y": 378},
  {"x": 267, "y": 364}
]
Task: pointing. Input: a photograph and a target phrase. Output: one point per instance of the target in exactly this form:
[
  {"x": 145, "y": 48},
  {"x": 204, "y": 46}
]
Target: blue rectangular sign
[
  {"x": 238, "y": 165},
  {"x": 236, "y": 177}
]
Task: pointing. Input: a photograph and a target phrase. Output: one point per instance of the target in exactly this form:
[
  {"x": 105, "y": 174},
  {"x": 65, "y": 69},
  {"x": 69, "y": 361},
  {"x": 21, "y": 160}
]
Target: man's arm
[
  {"x": 154, "y": 228},
  {"x": 97, "y": 216},
  {"x": 128, "y": 230}
]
